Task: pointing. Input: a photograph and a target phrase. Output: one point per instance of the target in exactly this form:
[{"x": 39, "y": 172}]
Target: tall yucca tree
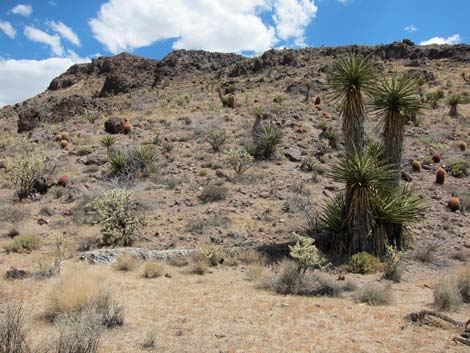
[
  {"x": 392, "y": 101},
  {"x": 366, "y": 178},
  {"x": 351, "y": 79}
]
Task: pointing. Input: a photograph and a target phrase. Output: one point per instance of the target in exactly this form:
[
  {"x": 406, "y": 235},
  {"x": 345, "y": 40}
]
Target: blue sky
[{"x": 39, "y": 39}]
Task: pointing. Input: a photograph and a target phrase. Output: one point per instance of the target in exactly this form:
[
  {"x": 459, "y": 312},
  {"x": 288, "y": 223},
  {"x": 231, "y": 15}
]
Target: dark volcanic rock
[
  {"x": 114, "y": 125},
  {"x": 29, "y": 119}
]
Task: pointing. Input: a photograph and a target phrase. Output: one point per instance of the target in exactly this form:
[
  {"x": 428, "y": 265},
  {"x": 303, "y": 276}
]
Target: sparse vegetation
[
  {"x": 238, "y": 159},
  {"x": 216, "y": 138},
  {"x": 374, "y": 294},
  {"x": 125, "y": 262},
  {"x": 213, "y": 193},
  {"x": 266, "y": 140},
  {"x": 23, "y": 243},
  {"x": 153, "y": 269}
]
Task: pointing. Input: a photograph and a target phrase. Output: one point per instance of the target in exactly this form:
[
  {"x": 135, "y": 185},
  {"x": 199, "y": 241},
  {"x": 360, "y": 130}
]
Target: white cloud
[
  {"x": 410, "y": 28},
  {"x": 291, "y": 17},
  {"x": 455, "y": 39},
  {"x": 23, "y": 10},
  {"x": 22, "y": 79},
  {"x": 64, "y": 31},
  {"x": 8, "y": 29},
  {"x": 216, "y": 25},
  {"x": 37, "y": 35}
]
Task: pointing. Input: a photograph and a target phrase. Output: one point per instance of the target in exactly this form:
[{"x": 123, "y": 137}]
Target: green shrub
[
  {"x": 28, "y": 174},
  {"x": 108, "y": 142},
  {"x": 84, "y": 151},
  {"x": 306, "y": 254},
  {"x": 216, "y": 138},
  {"x": 213, "y": 193},
  {"x": 116, "y": 212},
  {"x": 23, "y": 243},
  {"x": 238, "y": 159},
  {"x": 266, "y": 140},
  {"x": 458, "y": 169},
  {"x": 328, "y": 133},
  {"x": 374, "y": 294},
  {"x": 364, "y": 263}
]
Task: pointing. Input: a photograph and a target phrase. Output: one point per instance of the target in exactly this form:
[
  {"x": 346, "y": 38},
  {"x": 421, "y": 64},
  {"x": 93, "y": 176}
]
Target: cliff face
[{"x": 107, "y": 83}]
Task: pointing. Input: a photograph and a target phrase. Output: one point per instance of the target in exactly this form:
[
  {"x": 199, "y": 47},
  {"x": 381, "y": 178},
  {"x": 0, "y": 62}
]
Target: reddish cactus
[
  {"x": 462, "y": 146},
  {"x": 317, "y": 100},
  {"x": 440, "y": 176},
  {"x": 453, "y": 203},
  {"x": 64, "y": 180},
  {"x": 64, "y": 143},
  {"x": 436, "y": 157},
  {"x": 127, "y": 128}
]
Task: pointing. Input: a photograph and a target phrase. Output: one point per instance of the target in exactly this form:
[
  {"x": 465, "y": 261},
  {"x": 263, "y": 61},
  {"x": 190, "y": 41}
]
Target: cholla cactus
[
  {"x": 307, "y": 254},
  {"x": 392, "y": 264},
  {"x": 238, "y": 159},
  {"x": 115, "y": 211}
]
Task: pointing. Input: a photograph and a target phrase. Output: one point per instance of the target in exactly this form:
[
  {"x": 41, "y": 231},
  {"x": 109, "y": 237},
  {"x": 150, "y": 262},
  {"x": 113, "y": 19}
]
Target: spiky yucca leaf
[
  {"x": 402, "y": 206},
  {"x": 332, "y": 221}
]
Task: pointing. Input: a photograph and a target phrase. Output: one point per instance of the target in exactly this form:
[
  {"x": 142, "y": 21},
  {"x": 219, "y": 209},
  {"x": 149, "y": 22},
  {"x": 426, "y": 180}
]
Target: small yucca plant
[
  {"x": 108, "y": 142},
  {"x": 266, "y": 141}
]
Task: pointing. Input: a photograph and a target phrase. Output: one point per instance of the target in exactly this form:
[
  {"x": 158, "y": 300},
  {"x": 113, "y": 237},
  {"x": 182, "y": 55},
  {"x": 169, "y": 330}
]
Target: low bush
[
  {"x": 78, "y": 333},
  {"x": 80, "y": 290},
  {"x": 23, "y": 243},
  {"x": 125, "y": 262},
  {"x": 12, "y": 330},
  {"x": 139, "y": 161},
  {"x": 216, "y": 138},
  {"x": 288, "y": 280},
  {"x": 458, "y": 169},
  {"x": 153, "y": 269},
  {"x": 213, "y": 193},
  {"x": 446, "y": 294},
  {"x": 374, "y": 294},
  {"x": 238, "y": 159},
  {"x": 198, "y": 267},
  {"x": 364, "y": 263}
]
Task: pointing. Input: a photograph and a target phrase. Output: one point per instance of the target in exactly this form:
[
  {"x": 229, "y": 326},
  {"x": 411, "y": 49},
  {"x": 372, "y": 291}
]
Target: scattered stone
[
  {"x": 15, "y": 273},
  {"x": 293, "y": 154}
]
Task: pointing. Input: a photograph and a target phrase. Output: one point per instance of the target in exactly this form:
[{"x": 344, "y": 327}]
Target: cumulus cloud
[
  {"x": 23, "y": 10},
  {"x": 291, "y": 17},
  {"x": 8, "y": 29},
  {"x": 22, "y": 79},
  {"x": 216, "y": 25},
  {"x": 455, "y": 39},
  {"x": 39, "y": 36},
  {"x": 64, "y": 31},
  {"x": 410, "y": 28}
]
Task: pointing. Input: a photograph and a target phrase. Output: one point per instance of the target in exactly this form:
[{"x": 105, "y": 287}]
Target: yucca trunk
[
  {"x": 360, "y": 218},
  {"x": 453, "y": 111},
  {"x": 353, "y": 114},
  {"x": 394, "y": 131}
]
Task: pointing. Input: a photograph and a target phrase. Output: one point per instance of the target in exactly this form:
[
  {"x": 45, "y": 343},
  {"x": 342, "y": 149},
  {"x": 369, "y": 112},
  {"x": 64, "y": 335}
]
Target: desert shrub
[
  {"x": 266, "y": 140},
  {"x": 329, "y": 134},
  {"x": 252, "y": 257},
  {"x": 212, "y": 255},
  {"x": 458, "y": 169},
  {"x": 198, "y": 225},
  {"x": 11, "y": 213},
  {"x": 23, "y": 243},
  {"x": 393, "y": 269},
  {"x": 29, "y": 173},
  {"x": 288, "y": 280},
  {"x": 446, "y": 293},
  {"x": 434, "y": 97},
  {"x": 78, "y": 333},
  {"x": 177, "y": 261},
  {"x": 80, "y": 291},
  {"x": 149, "y": 341},
  {"x": 198, "y": 267},
  {"x": 125, "y": 262},
  {"x": 426, "y": 254},
  {"x": 364, "y": 263},
  {"x": 213, "y": 193},
  {"x": 153, "y": 269},
  {"x": 12, "y": 331},
  {"x": 254, "y": 272},
  {"x": 84, "y": 151},
  {"x": 238, "y": 159},
  {"x": 216, "y": 138},
  {"x": 463, "y": 284},
  {"x": 116, "y": 212},
  {"x": 374, "y": 294},
  {"x": 136, "y": 161}
]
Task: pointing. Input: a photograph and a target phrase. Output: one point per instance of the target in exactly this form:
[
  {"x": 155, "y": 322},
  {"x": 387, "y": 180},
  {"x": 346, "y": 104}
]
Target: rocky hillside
[{"x": 106, "y": 85}]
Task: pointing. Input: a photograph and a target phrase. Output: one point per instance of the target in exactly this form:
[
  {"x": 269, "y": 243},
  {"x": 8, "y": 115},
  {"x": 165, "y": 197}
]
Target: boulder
[
  {"x": 115, "y": 126},
  {"x": 293, "y": 154}
]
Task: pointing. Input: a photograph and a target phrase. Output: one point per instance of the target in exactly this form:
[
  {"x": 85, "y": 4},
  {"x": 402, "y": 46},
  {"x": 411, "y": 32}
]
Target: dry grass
[
  {"x": 153, "y": 269},
  {"x": 23, "y": 243},
  {"x": 125, "y": 262},
  {"x": 198, "y": 267},
  {"x": 374, "y": 294},
  {"x": 255, "y": 272},
  {"x": 12, "y": 330}
]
